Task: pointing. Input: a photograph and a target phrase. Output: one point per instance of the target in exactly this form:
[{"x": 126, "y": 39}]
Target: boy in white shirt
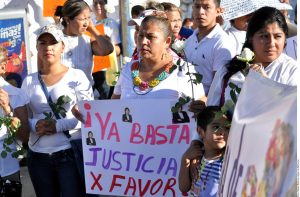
[{"x": 209, "y": 47}]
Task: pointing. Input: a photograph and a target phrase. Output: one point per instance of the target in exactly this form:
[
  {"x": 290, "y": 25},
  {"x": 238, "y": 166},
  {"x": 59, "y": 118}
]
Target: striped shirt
[{"x": 208, "y": 177}]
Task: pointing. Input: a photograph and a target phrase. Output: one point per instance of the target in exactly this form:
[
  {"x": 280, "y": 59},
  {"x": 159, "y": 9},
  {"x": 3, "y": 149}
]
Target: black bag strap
[{"x": 50, "y": 102}]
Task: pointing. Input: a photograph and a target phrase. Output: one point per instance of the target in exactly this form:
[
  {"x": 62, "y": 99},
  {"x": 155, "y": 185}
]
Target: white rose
[
  {"x": 178, "y": 45},
  {"x": 246, "y": 55}
]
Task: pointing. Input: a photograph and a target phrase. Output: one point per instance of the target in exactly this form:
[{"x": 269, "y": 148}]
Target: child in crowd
[{"x": 213, "y": 127}]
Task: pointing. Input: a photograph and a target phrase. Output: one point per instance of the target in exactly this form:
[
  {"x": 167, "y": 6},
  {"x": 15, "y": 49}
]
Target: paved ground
[{"x": 27, "y": 188}]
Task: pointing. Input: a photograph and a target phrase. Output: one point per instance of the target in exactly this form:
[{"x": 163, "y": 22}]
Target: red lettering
[
  {"x": 164, "y": 140},
  {"x": 145, "y": 189},
  {"x": 150, "y": 134},
  {"x": 158, "y": 181},
  {"x": 88, "y": 121},
  {"x": 135, "y": 133},
  {"x": 185, "y": 134},
  {"x": 103, "y": 125},
  {"x": 169, "y": 186},
  {"x": 96, "y": 181},
  {"x": 114, "y": 182},
  {"x": 158, "y": 187},
  {"x": 173, "y": 132},
  {"x": 160, "y": 134},
  {"x": 129, "y": 186},
  {"x": 114, "y": 132}
]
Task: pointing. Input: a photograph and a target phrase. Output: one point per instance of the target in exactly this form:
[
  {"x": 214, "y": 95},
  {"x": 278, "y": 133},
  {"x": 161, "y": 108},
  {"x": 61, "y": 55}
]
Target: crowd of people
[{"x": 69, "y": 71}]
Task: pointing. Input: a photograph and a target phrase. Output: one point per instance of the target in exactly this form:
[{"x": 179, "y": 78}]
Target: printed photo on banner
[
  {"x": 140, "y": 157},
  {"x": 260, "y": 158},
  {"x": 13, "y": 36}
]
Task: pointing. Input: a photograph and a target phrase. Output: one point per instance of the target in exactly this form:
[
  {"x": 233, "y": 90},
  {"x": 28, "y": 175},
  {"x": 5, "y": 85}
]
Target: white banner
[
  {"x": 260, "y": 158},
  {"x": 136, "y": 153},
  {"x": 237, "y": 8}
]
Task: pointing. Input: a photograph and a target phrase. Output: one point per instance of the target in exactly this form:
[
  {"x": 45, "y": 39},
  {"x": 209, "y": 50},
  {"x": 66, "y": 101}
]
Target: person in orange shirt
[{"x": 109, "y": 27}]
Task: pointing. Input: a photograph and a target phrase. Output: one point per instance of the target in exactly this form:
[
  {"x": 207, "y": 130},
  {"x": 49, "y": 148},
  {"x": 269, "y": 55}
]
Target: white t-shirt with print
[{"x": 73, "y": 84}]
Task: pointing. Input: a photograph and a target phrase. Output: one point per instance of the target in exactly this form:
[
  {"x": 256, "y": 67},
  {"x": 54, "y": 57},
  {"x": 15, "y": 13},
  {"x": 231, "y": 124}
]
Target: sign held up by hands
[{"x": 137, "y": 149}]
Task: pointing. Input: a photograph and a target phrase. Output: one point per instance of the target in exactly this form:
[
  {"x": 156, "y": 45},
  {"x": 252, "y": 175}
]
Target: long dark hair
[{"x": 261, "y": 18}]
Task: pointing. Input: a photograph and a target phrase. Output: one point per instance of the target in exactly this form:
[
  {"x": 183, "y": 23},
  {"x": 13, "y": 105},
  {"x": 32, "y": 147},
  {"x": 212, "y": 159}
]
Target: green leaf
[
  {"x": 177, "y": 105},
  {"x": 233, "y": 96},
  {"x": 15, "y": 154},
  {"x": 172, "y": 68},
  {"x": 22, "y": 151},
  {"x": 3, "y": 154},
  {"x": 60, "y": 100},
  {"x": 178, "y": 61},
  {"x": 228, "y": 107},
  {"x": 8, "y": 149},
  {"x": 10, "y": 141},
  {"x": 117, "y": 74},
  {"x": 218, "y": 115},
  {"x": 232, "y": 85},
  {"x": 198, "y": 77},
  {"x": 174, "y": 109},
  {"x": 188, "y": 99},
  {"x": 181, "y": 101}
]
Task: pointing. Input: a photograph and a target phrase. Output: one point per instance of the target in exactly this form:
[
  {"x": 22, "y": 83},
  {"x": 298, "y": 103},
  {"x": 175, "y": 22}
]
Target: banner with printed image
[
  {"x": 260, "y": 158},
  {"x": 13, "y": 36},
  {"x": 134, "y": 147}
]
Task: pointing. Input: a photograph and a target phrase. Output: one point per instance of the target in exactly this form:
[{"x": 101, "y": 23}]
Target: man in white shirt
[{"x": 208, "y": 48}]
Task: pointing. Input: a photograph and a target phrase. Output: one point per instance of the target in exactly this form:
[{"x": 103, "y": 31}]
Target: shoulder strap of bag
[{"x": 50, "y": 102}]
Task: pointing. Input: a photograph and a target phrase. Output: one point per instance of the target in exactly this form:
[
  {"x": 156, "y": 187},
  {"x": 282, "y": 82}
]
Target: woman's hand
[
  {"x": 76, "y": 113},
  {"x": 4, "y": 101},
  {"x": 259, "y": 68},
  {"x": 45, "y": 127},
  {"x": 91, "y": 28}
]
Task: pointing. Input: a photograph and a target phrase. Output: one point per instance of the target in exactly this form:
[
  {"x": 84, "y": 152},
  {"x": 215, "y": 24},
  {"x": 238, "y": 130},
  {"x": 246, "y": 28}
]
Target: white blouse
[{"x": 73, "y": 84}]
